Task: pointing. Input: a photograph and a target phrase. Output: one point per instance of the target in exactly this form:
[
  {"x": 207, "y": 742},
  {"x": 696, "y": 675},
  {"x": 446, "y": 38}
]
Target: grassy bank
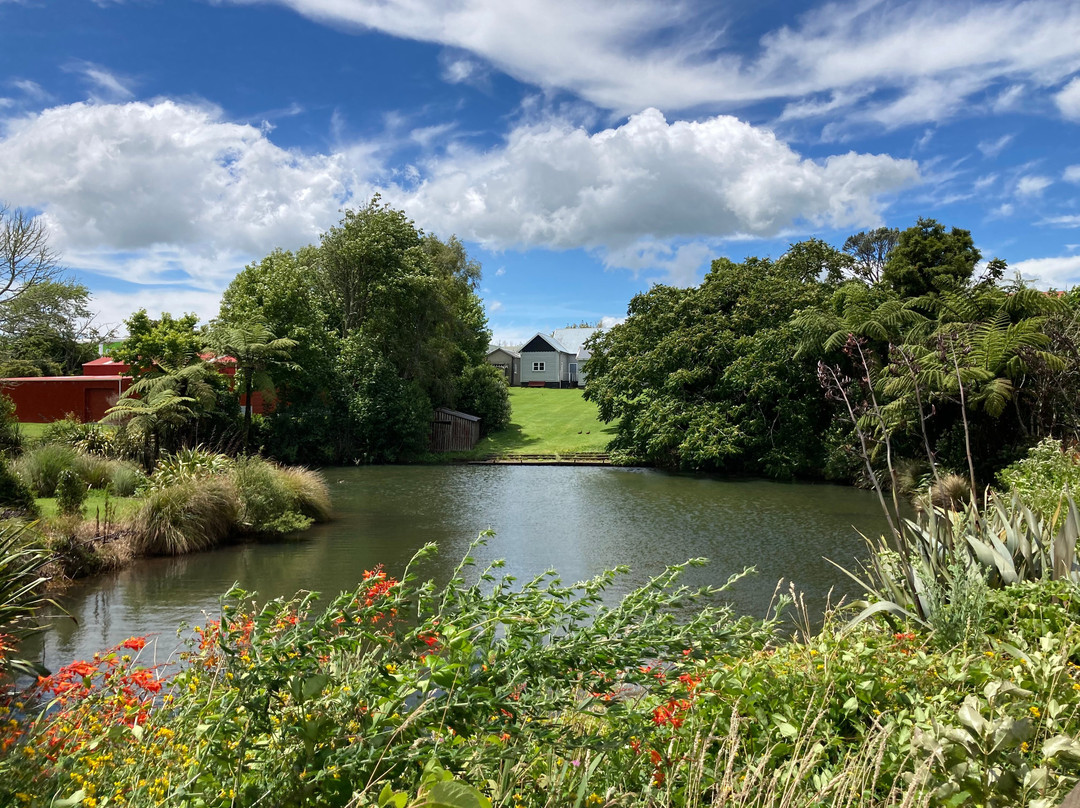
[
  {"x": 546, "y": 421},
  {"x": 192, "y": 500}
]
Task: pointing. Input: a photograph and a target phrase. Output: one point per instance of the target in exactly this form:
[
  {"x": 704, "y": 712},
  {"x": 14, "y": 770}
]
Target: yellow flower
[{"x": 1034, "y": 711}]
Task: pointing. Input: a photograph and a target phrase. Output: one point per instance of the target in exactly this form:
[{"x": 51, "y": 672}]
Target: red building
[{"x": 41, "y": 399}]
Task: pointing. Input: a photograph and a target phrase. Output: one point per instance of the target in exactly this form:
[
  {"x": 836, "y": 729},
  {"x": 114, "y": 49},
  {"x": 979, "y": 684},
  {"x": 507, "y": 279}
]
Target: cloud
[
  {"x": 105, "y": 85},
  {"x": 1062, "y": 221},
  {"x": 113, "y": 307},
  {"x": 1060, "y": 273},
  {"x": 494, "y": 305},
  {"x": 1033, "y": 185},
  {"x": 170, "y": 193},
  {"x": 500, "y": 272},
  {"x": 625, "y": 189},
  {"x": 1068, "y": 100},
  {"x": 992, "y": 148},
  {"x": 1071, "y": 174},
  {"x": 928, "y": 55},
  {"x": 148, "y": 190}
]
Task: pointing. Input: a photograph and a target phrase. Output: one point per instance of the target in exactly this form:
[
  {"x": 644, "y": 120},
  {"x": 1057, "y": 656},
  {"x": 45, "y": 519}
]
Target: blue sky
[{"x": 583, "y": 150}]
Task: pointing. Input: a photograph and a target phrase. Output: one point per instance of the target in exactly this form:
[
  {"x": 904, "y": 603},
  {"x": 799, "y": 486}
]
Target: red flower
[{"x": 134, "y": 643}]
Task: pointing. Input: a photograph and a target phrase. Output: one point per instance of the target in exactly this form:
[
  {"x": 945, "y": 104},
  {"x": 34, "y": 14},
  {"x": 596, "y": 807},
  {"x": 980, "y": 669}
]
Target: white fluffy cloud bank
[
  {"x": 558, "y": 186},
  {"x": 145, "y": 190},
  {"x": 620, "y": 56},
  {"x": 170, "y": 193}
]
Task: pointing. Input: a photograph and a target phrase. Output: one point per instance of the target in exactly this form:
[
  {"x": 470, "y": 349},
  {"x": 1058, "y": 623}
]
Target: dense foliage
[
  {"x": 539, "y": 695},
  {"x": 386, "y": 325},
  {"x": 891, "y": 350}
]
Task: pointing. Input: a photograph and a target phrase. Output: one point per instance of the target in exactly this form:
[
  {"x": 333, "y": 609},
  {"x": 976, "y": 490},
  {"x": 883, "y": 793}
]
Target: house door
[{"x": 573, "y": 373}]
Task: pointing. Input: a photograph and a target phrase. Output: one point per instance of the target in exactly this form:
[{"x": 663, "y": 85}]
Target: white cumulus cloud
[
  {"x": 555, "y": 185},
  {"x": 142, "y": 190},
  {"x": 1060, "y": 272}
]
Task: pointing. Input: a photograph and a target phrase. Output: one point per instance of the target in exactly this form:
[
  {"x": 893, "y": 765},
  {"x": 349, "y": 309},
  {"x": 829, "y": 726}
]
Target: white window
[{"x": 537, "y": 367}]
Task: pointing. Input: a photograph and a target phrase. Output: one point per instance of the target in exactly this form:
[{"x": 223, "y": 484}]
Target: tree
[
  {"x": 26, "y": 259},
  {"x": 168, "y": 343},
  {"x": 482, "y": 391},
  {"x": 149, "y": 416},
  {"x": 256, "y": 350},
  {"x": 870, "y": 252},
  {"x": 926, "y": 259},
  {"x": 703, "y": 378},
  {"x": 49, "y": 325}
]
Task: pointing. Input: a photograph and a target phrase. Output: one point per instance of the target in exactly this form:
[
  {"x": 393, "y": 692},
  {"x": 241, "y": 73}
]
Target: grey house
[
  {"x": 506, "y": 360},
  {"x": 548, "y": 361}
]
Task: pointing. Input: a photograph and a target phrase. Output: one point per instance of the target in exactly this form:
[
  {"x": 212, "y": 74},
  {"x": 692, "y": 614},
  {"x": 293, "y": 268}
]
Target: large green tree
[
  {"x": 704, "y": 379},
  {"x": 168, "y": 343},
  {"x": 386, "y": 322}
]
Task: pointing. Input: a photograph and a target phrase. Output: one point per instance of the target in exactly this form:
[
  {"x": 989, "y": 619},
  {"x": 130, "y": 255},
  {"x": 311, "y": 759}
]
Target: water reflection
[{"x": 579, "y": 521}]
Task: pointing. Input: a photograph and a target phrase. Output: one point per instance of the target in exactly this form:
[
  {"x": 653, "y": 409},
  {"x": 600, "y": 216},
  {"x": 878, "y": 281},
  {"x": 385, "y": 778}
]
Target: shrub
[
  {"x": 14, "y": 493},
  {"x": 95, "y": 471},
  {"x": 1044, "y": 477},
  {"x": 188, "y": 464},
  {"x": 269, "y": 504},
  {"x": 70, "y": 493},
  {"x": 68, "y": 431},
  {"x": 125, "y": 478},
  {"x": 10, "y": 439},
  {"x": 310, "y": 494},
  {"x": 482, "y": 391},
  {"x": 40, "y": 467},
  {"x": 186, "y": 517}
]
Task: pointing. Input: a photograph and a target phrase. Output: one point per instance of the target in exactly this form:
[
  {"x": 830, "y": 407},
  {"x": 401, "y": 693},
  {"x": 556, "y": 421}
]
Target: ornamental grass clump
[
  {"x": 186, "y": 517},
  {"x": 269, "y": 504},
  {"x": 309, "y": 493},
  {"x": 41, "y": 466}
]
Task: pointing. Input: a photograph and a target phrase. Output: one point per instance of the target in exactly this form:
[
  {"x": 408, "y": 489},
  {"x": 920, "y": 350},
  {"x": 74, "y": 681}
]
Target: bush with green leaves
[
  {"x": 70, "y": 493},
  {"x": 536, "y": 694},
  {"x": 14, "y": 493},
  {"x": 1044, "y": 477},
  {"x": 10, "y": 439},
  {"x": 483, "y": 391}
]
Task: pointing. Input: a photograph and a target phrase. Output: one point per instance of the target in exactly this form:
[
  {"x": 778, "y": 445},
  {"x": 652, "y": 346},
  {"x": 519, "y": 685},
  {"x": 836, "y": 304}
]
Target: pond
[{"x": 578, "y": 520}]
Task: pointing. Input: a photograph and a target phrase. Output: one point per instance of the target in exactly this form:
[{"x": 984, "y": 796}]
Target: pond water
[{"x": 578, "y": 520}]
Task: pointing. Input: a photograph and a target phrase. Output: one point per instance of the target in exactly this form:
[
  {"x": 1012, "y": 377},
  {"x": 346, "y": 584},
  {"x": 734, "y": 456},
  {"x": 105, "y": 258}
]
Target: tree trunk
[{"x": 247, "y": 408}]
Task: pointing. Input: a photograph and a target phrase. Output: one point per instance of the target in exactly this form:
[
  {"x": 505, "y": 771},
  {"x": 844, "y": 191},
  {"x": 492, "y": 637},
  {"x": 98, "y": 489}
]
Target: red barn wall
[{"x": 41, "y": 399}]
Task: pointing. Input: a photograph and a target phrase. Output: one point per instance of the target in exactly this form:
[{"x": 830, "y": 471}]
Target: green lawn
[
  {"x": 125, "y": 507},
  {"x": 547, "y": 421},
  {"x": 31, "y": 431}
]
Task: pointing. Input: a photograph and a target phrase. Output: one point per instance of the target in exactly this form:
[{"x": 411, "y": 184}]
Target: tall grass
[
  {"x": 274, "y": 501},
  {"x": 40, "y": 468},
  {"x": 309, "y": 492},
  {"x": 186, "y": 517}
]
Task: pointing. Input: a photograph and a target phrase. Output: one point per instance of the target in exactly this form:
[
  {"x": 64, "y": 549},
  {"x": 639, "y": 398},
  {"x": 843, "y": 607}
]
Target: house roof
[
  {"x": 550, "y": 340},
  {"x": 509, "y": 351},
  {"x": 574, "y": 339}
]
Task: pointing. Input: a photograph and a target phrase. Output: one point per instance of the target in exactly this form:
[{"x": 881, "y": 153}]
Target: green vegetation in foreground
[
  {"x": 122, "y": 509},
  {"x": 496, "y": 694},
  {"x": 548, "y": 421}
]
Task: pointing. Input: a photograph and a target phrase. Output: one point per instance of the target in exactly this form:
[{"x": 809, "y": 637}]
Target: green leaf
[
  {"x": 452, "y": 794},
  {"x": 70, "y": 802}
]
